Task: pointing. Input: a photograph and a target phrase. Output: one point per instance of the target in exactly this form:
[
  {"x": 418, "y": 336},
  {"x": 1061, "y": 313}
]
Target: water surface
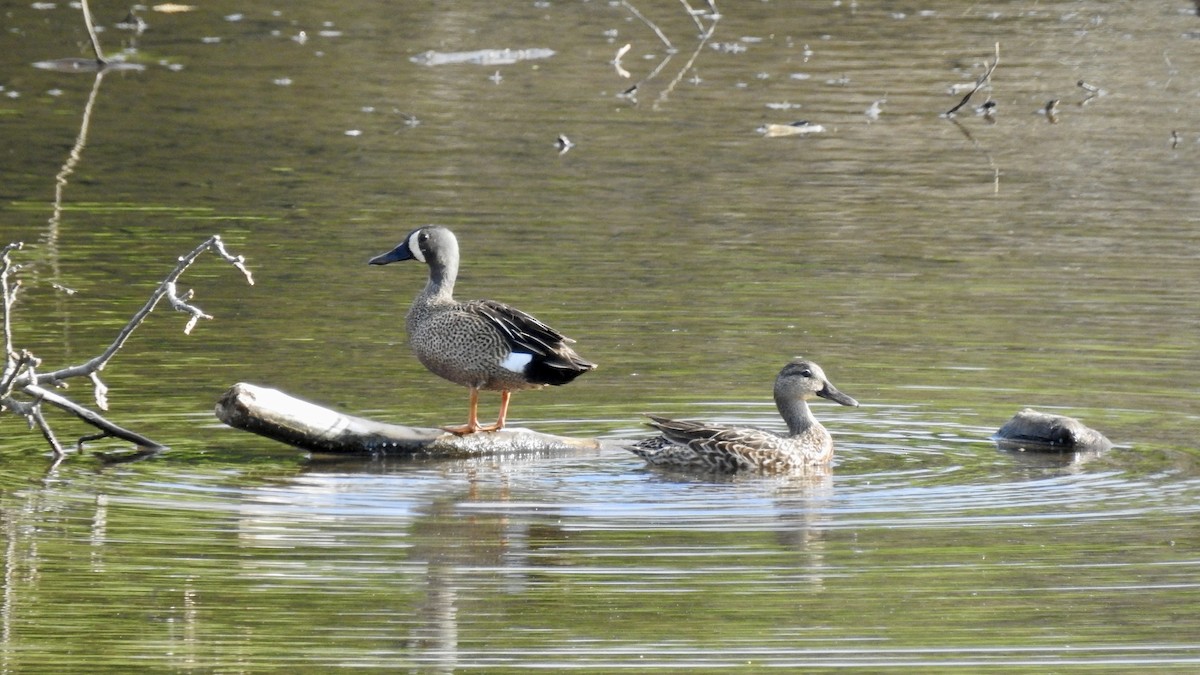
[{"x": 946, "y": 273}]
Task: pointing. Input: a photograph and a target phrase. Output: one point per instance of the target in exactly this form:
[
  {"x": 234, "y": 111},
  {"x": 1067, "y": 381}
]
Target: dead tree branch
[
  {"x": 705, "y": 35},
  {"x": 91, "y": 29},
  {"x": 650, "y": 24},
  {"x": 281, "y": 417},
  {"x": 983, "y": 79},
  {"x": 21, "y": 377}
]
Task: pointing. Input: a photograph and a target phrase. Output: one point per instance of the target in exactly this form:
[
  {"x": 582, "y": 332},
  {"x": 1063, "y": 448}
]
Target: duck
[
  {"x": 717, "y": 448},
  {"x": 483, "y": 345}
]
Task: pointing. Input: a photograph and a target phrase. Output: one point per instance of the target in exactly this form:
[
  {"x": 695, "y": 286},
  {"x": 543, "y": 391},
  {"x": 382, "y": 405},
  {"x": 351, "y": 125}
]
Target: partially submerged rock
[{"x": 1037, "y": 431}]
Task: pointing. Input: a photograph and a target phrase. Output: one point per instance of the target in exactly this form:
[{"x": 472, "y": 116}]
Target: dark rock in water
[{"x": 1033, "y": 430}]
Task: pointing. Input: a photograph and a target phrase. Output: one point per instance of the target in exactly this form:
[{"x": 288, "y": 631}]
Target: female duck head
[{"x": 802, "y": 379}]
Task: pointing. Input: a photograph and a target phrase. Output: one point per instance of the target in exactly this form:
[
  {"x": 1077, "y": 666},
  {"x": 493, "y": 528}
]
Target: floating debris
[
  {"x": 801, "y": 128},
  {"x": 1092, "y": 92},
  {"x": 617, "y": 61},
  {"x": 173, "y": 8},
  {"x": 987, "y": 109},
  {"x": 82, "y": 65},
  {"x": 783, "y": 106},
  {"x": 1033, "y": 430},
  {"x": 1175, "y": 139},
  {"x": 496, "y": 77},
  {"x": 483, "y": 57},
  {"x": 1050, "y": 110},
  {"x": 354, "y": 132},
  {"x": 729, "y": 47},
  {"x": 132, "y": 22},
  {"x": 282, "y": 81},
  {"x": 563, "y": 144},
  {"x": 876, "y": 108}
]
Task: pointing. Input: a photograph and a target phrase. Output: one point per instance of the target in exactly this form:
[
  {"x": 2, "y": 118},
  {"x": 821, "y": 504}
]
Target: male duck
[
  {"x": 480, "y": 344},
  {"x": 717, "y": 448}
]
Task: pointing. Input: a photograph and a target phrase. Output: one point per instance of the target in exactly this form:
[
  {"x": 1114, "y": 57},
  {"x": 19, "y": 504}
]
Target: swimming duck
[
  {"x": 718, "y": 448},
  {"x": 480, "y": 344}
]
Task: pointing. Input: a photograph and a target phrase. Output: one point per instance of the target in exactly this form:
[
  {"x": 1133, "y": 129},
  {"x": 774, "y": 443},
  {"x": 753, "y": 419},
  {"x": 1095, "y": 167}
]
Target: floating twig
[
  {"x": 91, "y": 29},
  {"x": 657, "y": 31},
  {"x": 983, "y": 79},
  {"x": 617, "y": 61},
  {"x": 704, "y": 38},
  {"x": 988, "y": 155}
]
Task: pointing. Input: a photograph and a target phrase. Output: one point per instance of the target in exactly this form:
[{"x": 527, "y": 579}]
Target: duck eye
[{"x": 806, "y": 372}]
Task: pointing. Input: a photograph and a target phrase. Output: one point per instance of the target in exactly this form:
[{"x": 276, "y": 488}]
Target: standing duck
[
  {"x": 716, "y": 448},
  {"x": 480, "y": 344}
]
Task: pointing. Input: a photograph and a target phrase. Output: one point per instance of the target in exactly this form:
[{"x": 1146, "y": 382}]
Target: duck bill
[
  {"x": 397, "y": 254},
  {"x": 831, "y": 392}
]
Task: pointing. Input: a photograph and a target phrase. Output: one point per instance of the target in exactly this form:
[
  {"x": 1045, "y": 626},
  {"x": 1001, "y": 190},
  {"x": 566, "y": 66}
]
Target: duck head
[
  {"x": 802, "y": 379},
  {"x": 432, "y": 245}
]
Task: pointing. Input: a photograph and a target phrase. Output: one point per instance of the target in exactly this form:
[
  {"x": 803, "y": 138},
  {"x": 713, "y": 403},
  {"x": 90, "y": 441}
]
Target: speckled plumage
[
  {"x": 717, "y": 448},
  {"x": 479, "y": 344}
]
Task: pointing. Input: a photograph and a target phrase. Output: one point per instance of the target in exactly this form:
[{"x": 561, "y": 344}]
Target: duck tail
[{"x": 558, "y": 368}]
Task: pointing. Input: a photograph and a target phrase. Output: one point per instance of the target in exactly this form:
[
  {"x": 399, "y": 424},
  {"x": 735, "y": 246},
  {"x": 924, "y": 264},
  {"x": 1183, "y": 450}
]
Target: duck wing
[
  {"x": 721, "y": 448},
  {"x": 552, "y": 361}
]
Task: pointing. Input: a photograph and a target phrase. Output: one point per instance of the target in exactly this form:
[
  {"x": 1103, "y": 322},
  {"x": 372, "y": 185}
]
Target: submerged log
[
  {"x": 284, "y": 418},
  {"x": 1033, "y": 430}
]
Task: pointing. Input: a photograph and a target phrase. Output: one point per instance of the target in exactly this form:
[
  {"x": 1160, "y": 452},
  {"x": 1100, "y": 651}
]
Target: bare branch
[
  {"x": 91, "y": 29},
  {"x": 100, "y": 391},
  {"x": 218, "y": 245},
  {"x": 10, "y": 297},
  {"x": 978, "y": 83},
  {"x": 165, "y": 289},
  {"x": 32, "y": 412},
  {"x": 704, "y": 38},
  {"x": 20, "y": 371},
  {"x": 657, "y": 31},
  {"x": 694, "y": 14},
  {"x": 90, "y": 417}
]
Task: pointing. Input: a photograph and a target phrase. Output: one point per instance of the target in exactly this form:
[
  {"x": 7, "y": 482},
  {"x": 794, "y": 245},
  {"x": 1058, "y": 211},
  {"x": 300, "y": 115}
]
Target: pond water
[{"x": 945, "y": 272}]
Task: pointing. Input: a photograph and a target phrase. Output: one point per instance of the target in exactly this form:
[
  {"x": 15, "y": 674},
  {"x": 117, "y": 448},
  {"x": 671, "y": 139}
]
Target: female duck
[
  {"x": 716, "y": 448},
  {"x": 480, "y": 344}
]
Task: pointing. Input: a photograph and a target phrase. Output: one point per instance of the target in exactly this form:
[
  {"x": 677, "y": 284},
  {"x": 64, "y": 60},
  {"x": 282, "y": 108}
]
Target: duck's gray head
[
  {"x": 432, "y": 245},
  {"x": 804, "y": 379}
]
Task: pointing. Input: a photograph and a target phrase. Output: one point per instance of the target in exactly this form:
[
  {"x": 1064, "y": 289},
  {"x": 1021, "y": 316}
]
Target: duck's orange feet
[{"x": 463, "y": 430}]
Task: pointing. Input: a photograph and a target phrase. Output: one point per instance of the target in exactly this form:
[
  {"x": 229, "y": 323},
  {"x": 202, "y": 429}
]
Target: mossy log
[{"x": 287, "y": 419}]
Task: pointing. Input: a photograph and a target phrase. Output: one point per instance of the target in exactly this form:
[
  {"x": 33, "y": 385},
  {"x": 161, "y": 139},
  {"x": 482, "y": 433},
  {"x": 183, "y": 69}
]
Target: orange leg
[
  {"x": 505, "y": 395},
  {"x": 472, "y": 417}
]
